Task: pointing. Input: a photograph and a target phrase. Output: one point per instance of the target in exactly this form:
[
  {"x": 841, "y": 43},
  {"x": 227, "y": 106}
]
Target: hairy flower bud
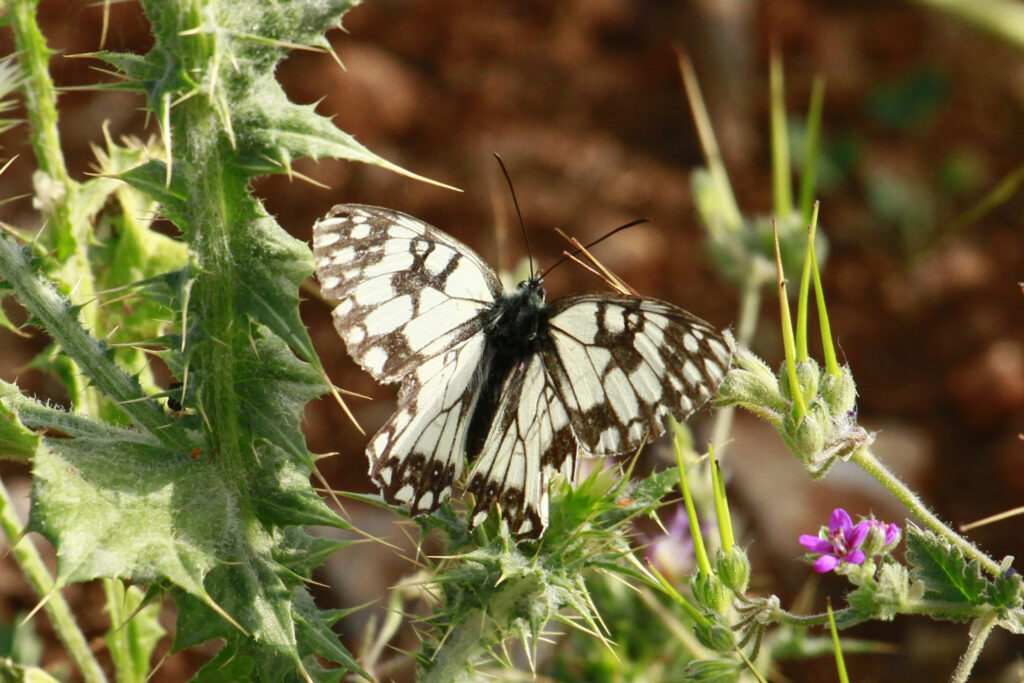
[
  {"x": 715, "y": 637},
  {"x": 807, "y": 375},
  {"x": 839, "y": 393},
  {"x": 733, "y": 569},
  {"x": 710, "y": 592},
  {"x": 712, "y": 671},
  {"x": 808, "y": 436}
]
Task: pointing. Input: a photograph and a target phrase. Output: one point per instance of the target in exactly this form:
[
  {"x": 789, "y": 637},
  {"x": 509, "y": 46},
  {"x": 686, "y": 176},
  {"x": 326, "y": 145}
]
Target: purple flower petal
[
  {"x": 859, "y": 533},
  {"x": 855, "y": 557},
  {"x": 815, "y": 544},
  {"x": 840, "y": 521},
  {"x": 892, "y": 532},
  {"x": 825, "y": 563}
]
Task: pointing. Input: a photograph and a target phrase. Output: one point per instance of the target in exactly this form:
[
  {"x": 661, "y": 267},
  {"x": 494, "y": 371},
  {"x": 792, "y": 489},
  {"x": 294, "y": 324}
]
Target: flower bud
[
  {"x": 746, "y": 360},
  {"x": 807, "y": 437},
  {"x": 881, "y": 538},
  {"x": 839, "y": 393},
  {"x": 733, "y": 569},
  {"x": 711, "y": 593},
  {"x": 715, "y": 637},
  {"x": 750, "y": 390},
  {"x": 807, "y": 375},
  {"x": 712, "y": 671}
]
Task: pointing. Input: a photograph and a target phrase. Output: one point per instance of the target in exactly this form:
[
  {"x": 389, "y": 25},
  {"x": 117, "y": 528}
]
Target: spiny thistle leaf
[{"x": 111, "y": 503}]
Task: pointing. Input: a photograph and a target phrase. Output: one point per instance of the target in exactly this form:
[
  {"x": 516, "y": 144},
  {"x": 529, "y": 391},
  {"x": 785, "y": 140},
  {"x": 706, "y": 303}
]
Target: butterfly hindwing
[
  {"x": 530, "y": 440},
  {"x": 405, "y": 290},
  {"x": 419, "y": 453},
  {"x": 621, "y": 364}
]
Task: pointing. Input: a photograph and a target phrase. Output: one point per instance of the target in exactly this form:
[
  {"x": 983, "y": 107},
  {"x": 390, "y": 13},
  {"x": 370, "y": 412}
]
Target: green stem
[
  {"x": 799, "y": 408},
  {"x": 980, "y": 631},
  {"x": 809, "y": 175},
  {"x": 699, "y": 550},
  {"x": 68, "y": 229},
  {"x": 27, "y": 557},
  {"x": 750, "y": 310},
  {"x": 782, "y": 184},
  {"x": 884, "y": 476},
  {"x": 55, "y": 314},
  {"x": 213, "y": 295},
  {"x": 706, "y": 134},
  {"x": 463, "y": 644}
]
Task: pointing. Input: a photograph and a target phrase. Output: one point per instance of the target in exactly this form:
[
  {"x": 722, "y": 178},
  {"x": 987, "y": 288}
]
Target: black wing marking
[
  {"x": 621, "y": 364},
  {"x": 406, "y": 290},
  {"x": 529, "y": 441}
]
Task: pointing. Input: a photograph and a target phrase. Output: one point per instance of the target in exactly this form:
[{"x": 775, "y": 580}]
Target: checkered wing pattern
[
  {"x": 621, "y": 364},
  {"x": 417, "y": 306},
  {"x": 406, "y": 291}
]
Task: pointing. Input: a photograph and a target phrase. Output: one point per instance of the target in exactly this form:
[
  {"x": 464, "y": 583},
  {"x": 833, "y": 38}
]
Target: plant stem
[
  {"x": 54, "y": 313},
  {"x": 884, "y": 475},
  {"x": 69, "y": 230},
  {"x": 27, "y": 557},
  {"x": 980, "y": 631},
  {"x": 452, "y": 662},
  {"x": 750, "y": 310}
]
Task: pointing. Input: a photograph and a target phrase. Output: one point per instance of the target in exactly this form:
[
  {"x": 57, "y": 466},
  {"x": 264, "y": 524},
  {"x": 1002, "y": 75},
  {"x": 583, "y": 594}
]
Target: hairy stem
[
  {"x": 750, "y": 309},
  {"x": 463, "y": 644},
  {"x": 68, "y": 229},
  {"x": 27, "y": 557},
  {"x": 866, "y": 459},
  {"x": 980, "y": 631},
  {"x": 59, "y": 319}
]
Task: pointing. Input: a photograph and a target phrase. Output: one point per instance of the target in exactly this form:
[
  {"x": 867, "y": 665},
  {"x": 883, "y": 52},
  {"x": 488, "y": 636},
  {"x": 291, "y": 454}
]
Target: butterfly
[{"x": 504, "y": 384}]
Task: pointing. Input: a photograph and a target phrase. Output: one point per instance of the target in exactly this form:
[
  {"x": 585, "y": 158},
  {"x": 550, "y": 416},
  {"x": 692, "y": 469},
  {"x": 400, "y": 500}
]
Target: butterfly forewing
[
  {"x": 405, "y": 290},
  {"x": 621, "y": 364}
]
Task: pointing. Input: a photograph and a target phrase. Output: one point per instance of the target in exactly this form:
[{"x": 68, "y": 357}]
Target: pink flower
[
  {"x": 672, "y": 553},
  {"x": 841, "y": 543}
]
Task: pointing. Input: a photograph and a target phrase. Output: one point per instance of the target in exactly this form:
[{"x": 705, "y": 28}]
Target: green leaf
[
  {"x": 6, "y": 322},
  {"x": 943, "y": 570},
  {"x": 1004, "y": 593},
  {"x": 13, "y": 673},
  {"x": 118, "y": 504},
  {"x": 151, "y": 179},
  {"x": 271, "y": 266}
]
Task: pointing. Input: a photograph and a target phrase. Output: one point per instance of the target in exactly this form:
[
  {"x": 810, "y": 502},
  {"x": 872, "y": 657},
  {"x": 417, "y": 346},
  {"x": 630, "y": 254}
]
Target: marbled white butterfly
[{"x": 501, "y": 382}]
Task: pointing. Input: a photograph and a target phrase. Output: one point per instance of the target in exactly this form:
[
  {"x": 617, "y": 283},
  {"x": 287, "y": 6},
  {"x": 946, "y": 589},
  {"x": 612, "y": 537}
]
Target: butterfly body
[{"x": 504, "y": 382}]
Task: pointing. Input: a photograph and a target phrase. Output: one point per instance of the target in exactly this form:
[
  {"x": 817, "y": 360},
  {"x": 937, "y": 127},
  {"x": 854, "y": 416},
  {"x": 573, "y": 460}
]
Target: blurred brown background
[{"x": 583, "y": 100}]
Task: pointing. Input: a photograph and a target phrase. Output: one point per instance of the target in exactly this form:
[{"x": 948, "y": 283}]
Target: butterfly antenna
[
  {"x": 602, "y": 238},
  {"x": 519, "y": 214}
]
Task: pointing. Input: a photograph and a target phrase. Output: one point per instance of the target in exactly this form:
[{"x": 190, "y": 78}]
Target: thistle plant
[{"x": 198, "y": 492}]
